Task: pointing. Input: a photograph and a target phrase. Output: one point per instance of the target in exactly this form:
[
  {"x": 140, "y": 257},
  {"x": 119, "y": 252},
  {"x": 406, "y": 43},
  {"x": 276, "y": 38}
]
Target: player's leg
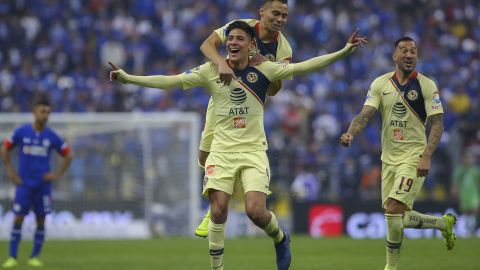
[
  {"x": 205, "y": 143},
  {"x": 255, "y": 179},
  {"x": 406, "y": 188},
  {"x": 217, "y": 187},
  {"x": 216, "y": 227},
  {"x": 21, "y": 206},
  {"x": 202, "y": 228},
  {"x": 42, "y": 205},
  {"x": 394, "y": 210}
]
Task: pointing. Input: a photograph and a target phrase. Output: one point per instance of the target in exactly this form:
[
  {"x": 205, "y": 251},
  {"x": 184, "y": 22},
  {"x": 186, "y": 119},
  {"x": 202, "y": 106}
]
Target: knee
[
  {"x": 255, "y": 214},
  {"x": 395, "y": 207},
  {"x": 218, "y": 213}
]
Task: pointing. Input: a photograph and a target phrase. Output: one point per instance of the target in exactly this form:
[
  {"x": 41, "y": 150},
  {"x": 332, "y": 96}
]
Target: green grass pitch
[{"x": 248, "y": 253}]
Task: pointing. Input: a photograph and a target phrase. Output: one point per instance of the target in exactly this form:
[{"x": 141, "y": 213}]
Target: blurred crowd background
[{"x": 61, "y": 48}]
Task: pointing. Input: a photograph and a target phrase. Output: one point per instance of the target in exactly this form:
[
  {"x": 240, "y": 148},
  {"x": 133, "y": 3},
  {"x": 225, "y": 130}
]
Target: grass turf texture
[{"x": 248, "y": 253}]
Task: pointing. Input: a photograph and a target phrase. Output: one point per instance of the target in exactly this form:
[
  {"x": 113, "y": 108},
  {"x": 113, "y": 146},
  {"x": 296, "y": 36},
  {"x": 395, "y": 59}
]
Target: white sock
[{"x": 413, "y": 219}]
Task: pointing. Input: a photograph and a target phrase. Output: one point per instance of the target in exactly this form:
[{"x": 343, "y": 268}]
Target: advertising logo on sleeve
[{"x": 437, "y": 103}]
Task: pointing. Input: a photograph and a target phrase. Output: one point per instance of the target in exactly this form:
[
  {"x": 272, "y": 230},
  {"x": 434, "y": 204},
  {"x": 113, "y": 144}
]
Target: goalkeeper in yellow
[
  {"x": 238, "y": 151},
  {"x": 407, "y": 100}
]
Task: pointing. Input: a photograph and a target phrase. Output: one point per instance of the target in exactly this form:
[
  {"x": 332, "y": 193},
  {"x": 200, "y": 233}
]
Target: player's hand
[
  {"x": 117, "y": 73},
  {"x": 424, "y": 166},
  {"x": 357, "y": 41},
  {"x": 51, "y": 176},
  {"x": 257, "y": 59},
  {"x": 346, "y": 139},
  {"x": 226, "y": 73}
]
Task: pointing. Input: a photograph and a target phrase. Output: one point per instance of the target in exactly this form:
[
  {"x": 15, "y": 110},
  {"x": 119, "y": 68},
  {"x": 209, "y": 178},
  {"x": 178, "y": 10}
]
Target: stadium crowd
[{"x": 61, "y": 48}]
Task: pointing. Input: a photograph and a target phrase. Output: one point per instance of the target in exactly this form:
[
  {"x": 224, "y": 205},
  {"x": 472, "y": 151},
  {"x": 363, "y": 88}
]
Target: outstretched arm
[
  {"x": 209, "y": 48},
  {"x": 357, "y": 125},
  {"x": 156, "y": 81},
  {"x": 434, "y": 137},
  {"x": 322, "y": 61}
]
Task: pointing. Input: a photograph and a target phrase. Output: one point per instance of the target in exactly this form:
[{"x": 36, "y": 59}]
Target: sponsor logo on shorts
[
  {"x": 239, "y": 122},
  {"x": 399, "y": 193},
  {"x": 210, "y": 170}
]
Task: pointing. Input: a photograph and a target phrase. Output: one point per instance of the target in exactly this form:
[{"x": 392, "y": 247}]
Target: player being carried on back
[{"x": 271, "y": 45}]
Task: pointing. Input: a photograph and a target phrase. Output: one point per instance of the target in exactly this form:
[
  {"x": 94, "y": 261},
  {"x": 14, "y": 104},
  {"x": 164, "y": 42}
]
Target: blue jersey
[{"x": 34, "y": 150}]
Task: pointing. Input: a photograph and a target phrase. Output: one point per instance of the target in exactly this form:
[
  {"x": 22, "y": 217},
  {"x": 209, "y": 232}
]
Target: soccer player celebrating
[
  {"x": 407, "y": 100},
  {"x": 271, "y": 45},
  {"x": 34, "y": 178},
  {"x": 239, "y": 145}
]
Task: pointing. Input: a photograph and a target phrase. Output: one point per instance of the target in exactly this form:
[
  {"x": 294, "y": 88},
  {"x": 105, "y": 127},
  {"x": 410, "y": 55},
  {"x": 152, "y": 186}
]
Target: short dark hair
[
  {"x": 41, "y": 101},
  {"x": 405, "y": 38},
  {"x": 271, "y": 1},
  {"x": 240, "y": 25}
]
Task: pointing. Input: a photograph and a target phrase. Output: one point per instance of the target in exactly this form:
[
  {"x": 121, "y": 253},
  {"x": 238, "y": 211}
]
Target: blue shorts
[{"x": 37, "y": 198}]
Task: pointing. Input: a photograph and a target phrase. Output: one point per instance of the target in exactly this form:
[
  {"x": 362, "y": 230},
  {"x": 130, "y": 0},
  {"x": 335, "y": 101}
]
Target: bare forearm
[
  {"x": 65, "y": 164},
  {"x": 6, "y": 160},
  {"x": 361, "y": 120},
  {"x": 273, "y": 88},
  {"x": 435, "y": 134},
  {"x": 209, "y": 48}
]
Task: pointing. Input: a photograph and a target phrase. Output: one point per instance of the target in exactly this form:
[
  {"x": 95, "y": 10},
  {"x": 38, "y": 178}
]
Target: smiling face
[
  {"x": 406, "y": 56},
  {"x": 274, "y": 15},
  {"x": 238, "y": 45}
]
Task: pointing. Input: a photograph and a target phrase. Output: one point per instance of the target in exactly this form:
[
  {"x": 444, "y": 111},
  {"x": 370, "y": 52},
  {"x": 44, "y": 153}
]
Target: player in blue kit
[{"x": 33, "y": 181}]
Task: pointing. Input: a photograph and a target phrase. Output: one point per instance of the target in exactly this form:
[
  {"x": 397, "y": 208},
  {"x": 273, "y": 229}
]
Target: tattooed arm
[
  {"x": 434, "y": 136},
  {"x": 358, "y": 124}
]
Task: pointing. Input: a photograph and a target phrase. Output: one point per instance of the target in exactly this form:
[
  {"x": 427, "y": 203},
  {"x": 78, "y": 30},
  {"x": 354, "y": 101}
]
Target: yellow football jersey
[
  {"x": 404, "y": 110},
  {"x": 238, "y": 107}
]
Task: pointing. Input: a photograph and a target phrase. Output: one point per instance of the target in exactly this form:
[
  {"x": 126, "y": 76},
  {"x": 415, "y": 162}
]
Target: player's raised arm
[
  {"x": 322, "y": 61},
  {"x": 155, "y": 81},
  {"x": 358, "y": 124},
  {"x": 210, "y": 48}
]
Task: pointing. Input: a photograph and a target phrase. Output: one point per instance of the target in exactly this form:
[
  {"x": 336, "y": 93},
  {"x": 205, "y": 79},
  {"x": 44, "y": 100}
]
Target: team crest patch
[
  {"x": 239, "y": 122},
  {"x": 46, "y": 142},
  {"x": 252, "y": 77},
  {"x": 270, "y": 57},
  {"x": 210, "y": 170},
  {"x": 412, "y": 95}
]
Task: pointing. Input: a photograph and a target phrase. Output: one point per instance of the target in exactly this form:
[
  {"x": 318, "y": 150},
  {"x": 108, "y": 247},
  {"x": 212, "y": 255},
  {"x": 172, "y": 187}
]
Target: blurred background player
[
  {"x": 407, "y": 101},
  {"x": 239, "y": 142},
  {"x": 34, "y": 178},
  {"x": 271, "y": 45},
  {"x": 466, "y": 189}
]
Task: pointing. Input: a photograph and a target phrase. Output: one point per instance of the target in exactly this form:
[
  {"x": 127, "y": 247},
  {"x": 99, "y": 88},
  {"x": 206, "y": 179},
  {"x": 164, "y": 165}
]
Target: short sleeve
[
  {"x": 373, "y": 95},
  {"x": 13, "y": 140},
  {"x": 433, "y": 104},
  {"x": 59, "y": 145}
]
